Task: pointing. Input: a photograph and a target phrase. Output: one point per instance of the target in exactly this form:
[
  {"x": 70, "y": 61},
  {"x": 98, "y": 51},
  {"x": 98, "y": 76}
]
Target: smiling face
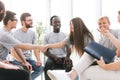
[
  {"x": 56, "y": 23},
  {"x": 28, "y": 22},
  {"x": 104, "y": 22}
]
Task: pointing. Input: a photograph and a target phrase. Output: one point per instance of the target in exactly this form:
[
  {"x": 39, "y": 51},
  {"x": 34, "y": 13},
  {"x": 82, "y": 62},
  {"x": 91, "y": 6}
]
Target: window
[{"x": 110, "y": 8}]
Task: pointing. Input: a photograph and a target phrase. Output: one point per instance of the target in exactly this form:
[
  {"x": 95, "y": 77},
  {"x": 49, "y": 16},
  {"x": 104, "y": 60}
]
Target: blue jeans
[
  {"x": 77, "y": 78},
  {"x": 37, "y": 70}
]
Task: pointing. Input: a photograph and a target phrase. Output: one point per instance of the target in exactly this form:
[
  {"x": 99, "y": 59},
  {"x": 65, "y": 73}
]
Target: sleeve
[
  {"x": 67, "y": 41},
  {"x": 34, "y": 38},
  {"x": 118, "y": 34},
  {"x": 9, "y": 41},
  {"x": 45, "y": 41}
]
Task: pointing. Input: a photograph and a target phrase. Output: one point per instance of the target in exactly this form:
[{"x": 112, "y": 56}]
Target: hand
[
  {"x": 68, "y": 61},
  {"x": 43, "y": 48},
  {"x": 118, "y": 52},
  {"x": 101, "y": 62},
  {"x": 29, "y": 67},
  {"x": 38, "y": 63},
  {"x": 5, "y": 61},
  {"x": 104, "y": 31},
  {"x": 58, "y": 60}
]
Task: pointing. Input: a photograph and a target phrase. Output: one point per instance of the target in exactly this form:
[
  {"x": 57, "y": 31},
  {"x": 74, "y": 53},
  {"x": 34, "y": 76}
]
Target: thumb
[{"x": 101, "y": 58}]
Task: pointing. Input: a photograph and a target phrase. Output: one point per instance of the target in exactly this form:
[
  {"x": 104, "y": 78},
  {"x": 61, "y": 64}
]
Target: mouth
[{"x": 58, "y": 27}]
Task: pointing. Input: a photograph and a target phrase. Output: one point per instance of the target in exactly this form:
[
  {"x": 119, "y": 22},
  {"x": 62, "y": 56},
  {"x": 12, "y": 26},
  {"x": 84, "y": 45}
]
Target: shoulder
[
  {"x": 16, "y": 31},
  {"x": 30, "y": 30},
  {"x": 48, "y": 34},
  {"x": 115, "y": 32},
  {"x": 4, "y": 33},
  {"x": 63, "y": 33}
]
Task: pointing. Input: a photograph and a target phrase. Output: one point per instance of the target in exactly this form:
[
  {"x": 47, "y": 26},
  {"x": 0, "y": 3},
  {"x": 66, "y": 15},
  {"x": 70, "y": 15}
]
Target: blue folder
[{"x": 97, "y": 50}]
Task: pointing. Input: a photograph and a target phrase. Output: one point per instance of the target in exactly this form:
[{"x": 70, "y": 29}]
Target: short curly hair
[{"x": 52, "y": 19}]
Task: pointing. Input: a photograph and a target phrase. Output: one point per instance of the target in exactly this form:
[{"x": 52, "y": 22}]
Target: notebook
[{"x": 96, "y": 50}]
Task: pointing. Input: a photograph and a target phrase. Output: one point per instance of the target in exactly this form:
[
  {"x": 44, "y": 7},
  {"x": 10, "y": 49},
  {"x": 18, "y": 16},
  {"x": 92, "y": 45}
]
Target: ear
[
  {"x": 22, "y": 22},
  {"x": 9, "y": 21},
  {"x": 2, "y": 11}
]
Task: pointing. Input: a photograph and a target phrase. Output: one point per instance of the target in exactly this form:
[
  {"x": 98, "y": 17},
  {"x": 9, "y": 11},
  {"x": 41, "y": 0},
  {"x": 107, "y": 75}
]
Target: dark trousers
[
  {"x": 9, "y": 74},
  {"x": 52, "y": 65}
]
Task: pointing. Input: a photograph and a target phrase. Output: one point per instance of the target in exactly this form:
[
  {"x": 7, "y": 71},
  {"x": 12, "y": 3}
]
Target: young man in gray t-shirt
[
  {"x": 7, "y": 41},
  {"x": 26, "y": 35},
  {"x": 58, "y": 58}
]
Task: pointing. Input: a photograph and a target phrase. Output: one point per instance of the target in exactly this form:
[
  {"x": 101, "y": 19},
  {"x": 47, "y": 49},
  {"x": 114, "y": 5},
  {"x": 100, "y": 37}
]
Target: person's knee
[
  {"x": 39, "y": 69},
  {"x": 49, "y": 65}
]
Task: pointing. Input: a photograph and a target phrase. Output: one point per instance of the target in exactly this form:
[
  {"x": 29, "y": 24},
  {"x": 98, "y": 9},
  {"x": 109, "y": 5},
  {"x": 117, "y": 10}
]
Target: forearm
[
  {"x": 25, "y": 46},
  {"x": 57, "y": 45},
  {"x": 20, "y": 55},
  {"x": 68, "y": 51},
  {"x": 2, "y": 65},
  {"x": 15, "y": 55},
  {"x": 37, "y": 54},
  {"x": 115, "y": 41},
  {"x": 111, "y": 66}
]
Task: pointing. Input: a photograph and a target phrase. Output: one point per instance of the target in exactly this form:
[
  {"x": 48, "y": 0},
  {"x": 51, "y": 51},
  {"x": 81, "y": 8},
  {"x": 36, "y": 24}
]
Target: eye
[
  {"x": 29, "y": 20},
  {"x": 14, "y": 19}
]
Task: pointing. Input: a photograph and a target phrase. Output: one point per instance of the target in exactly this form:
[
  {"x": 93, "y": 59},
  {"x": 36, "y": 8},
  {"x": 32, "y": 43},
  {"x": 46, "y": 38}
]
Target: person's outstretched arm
[{"x": 26, "y": 46}]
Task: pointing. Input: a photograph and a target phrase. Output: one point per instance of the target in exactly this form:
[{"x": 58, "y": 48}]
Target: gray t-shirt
[
  {"x": 25, "y": 37},
  {"x": 7, "y": 41},
  {"x": 106, "y": 42},
  {"x": 55, "y": 38}
]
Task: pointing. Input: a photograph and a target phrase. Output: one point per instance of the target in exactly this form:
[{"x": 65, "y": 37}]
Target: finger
[
  {"x": 99, "y": 30},
  {"x": 101, "y": 58}
]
